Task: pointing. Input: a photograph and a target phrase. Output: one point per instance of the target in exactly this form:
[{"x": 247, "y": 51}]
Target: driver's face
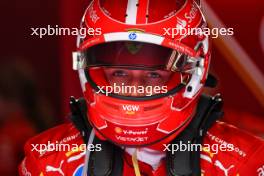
[{"x": 136, "y": 77}]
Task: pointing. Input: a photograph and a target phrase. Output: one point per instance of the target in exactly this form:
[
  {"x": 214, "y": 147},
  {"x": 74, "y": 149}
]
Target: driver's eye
[
  {"x": 153, "y": 75},
  {"x": 119, "y": 73}
]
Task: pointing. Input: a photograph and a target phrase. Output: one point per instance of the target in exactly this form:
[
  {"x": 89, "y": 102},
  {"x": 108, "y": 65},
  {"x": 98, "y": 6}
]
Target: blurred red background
[{"x": 47, "y": 63}]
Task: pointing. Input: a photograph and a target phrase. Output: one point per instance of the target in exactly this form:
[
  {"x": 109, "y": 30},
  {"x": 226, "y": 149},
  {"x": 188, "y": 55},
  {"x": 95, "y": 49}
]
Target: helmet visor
[
  {"x": 135, "y": 69},
  {"x": 136, "y": 54}
]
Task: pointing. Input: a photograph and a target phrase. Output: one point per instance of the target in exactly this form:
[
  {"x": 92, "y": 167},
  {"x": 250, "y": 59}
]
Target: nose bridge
[
  {"x": 137, "y": 80},
  {"x": 138, "y": 77}
]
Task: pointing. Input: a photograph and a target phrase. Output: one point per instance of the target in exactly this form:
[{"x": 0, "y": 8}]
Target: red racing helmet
[{"x": 142, "y": 39}]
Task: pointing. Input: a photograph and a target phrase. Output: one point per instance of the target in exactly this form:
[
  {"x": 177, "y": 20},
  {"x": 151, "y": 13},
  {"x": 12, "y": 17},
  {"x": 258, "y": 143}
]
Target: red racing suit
[{"x": 246, "y": 157}]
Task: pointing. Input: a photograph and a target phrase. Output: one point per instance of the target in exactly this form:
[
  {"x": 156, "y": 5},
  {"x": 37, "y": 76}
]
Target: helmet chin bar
[{"x": 168, "y": 134}]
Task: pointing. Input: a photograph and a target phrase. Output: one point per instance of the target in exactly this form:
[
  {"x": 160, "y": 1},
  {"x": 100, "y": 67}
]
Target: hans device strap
[
  {"x": 78, "y": 117},
  {"x": 109, "y": 161},
  {"x": 187, "y": 163}
]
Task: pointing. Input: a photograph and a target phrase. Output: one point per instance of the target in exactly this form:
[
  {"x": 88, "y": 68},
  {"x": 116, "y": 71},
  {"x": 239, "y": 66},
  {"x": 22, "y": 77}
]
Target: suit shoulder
[
  {"x": 243, "y": 142},
  {"x": 51, "y": 140},
  {"x": 52, "y": 149},
  {"x": 233, "y": 134}
]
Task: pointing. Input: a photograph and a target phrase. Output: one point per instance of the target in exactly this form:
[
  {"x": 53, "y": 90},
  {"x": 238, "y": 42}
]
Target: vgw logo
[{"x": 130, "y": 109}]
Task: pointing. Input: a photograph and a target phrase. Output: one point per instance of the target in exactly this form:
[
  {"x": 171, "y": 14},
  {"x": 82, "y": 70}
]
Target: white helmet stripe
[
  {"x": 131, "y": 12},
  {"x": 147, "y": 12},
  {"x": 141, "y": 37}
]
